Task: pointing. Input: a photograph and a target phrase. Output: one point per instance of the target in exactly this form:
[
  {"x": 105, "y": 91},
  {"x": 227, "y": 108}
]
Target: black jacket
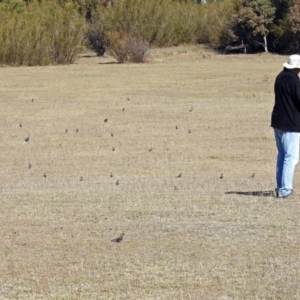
[{"x": 286, "y": 111}]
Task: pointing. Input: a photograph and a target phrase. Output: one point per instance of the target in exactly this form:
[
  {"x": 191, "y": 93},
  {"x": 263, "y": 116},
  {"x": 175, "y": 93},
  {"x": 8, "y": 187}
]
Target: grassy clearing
[{"x": 193, "y": 237}]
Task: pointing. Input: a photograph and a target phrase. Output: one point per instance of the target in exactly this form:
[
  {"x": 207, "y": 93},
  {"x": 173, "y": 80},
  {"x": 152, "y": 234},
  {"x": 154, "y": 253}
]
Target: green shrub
[
  {"x": 44, "y": 33},
  {"x": 158, "y": 22},
  {"x": 10, "y": 5}
]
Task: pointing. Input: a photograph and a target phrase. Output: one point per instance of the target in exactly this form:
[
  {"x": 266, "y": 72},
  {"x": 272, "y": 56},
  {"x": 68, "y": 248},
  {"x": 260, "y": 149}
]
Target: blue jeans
[{"x": 288, "y": 156}]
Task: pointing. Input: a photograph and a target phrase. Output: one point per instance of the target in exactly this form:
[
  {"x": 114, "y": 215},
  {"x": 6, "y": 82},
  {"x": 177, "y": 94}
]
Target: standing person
[{"x": 286, "y": 124}]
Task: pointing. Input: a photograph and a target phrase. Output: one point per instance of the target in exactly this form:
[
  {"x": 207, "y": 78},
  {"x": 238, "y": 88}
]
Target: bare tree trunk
[
  {"x": 265, "y": 43},
  {"x": 245, "y": 47}
]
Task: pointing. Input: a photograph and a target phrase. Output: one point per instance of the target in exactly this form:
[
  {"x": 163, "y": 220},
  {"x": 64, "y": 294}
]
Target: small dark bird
[
  {"x": 32, "y": 100},
  {"x": 221, "y": 176},
  {"x": 252, "y": 176},
  {"x": 123, "y": 109},
  {"x": 128, "y": 99},
  {"x": 111, "y": 175},
  {"x": 118, "y": 239},
  {"x": 176, "y": 127},
  {"x": 117, "y": 182},
  {"x": 112, "y": 134},
  {"x": 150, "y": 150},
  {"x": 20, "y": 124},
  {"x": 105, "y": 121},
  {"x": 178, "y": 176},
  {"x": 29, "y": 166},
  {"x": 190, "y": 131},
  {"x": 66, "y": 131},
  {"x": 26, "y": 139},
  {"x": 191, "y": 109},
  {"x": 77, "y": 130},
  {"x": 113, "y": 149},
  {"x": 45, "y": 175},
  {"x": 253, "y": 95},
  {"x": 81, "y": 178},
  {"x": 175, "y": 188}
]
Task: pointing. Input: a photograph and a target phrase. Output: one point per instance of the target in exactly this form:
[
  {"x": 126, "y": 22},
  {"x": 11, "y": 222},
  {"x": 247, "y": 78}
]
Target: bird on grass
[
  {"x": 29, "y": 166},
  {"x": 81, "y": 178},
  {"x": 117, "y": 182},
  {"x": 178, "y": 176},
  {"x": 221, "y": 176},
  {"x": 175, "y": 188},
  {"x": 26, "y": 139},
  {"x": 118, "y": 239},
  {"x": 252, "y": 176},
  {"x": 111, "y": 175},
  {"x": 45, "y": 175},
  {"x": 150, "y": 150},
  {"x": 105, "y": 121}
]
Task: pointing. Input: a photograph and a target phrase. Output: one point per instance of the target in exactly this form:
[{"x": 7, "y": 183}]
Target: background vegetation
[
  {"x": 53, "y": 32},
  {"x": 39, "y": 33}
]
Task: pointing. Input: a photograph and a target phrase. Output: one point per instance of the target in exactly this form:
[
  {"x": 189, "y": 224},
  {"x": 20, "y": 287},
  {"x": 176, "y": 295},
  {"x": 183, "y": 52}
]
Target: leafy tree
[
  {"x": 280, "y": 36},
  {"x": 257, "y": 17},
  {"x": 294, "y": 17},
  {"x": 294, "y": 26}
]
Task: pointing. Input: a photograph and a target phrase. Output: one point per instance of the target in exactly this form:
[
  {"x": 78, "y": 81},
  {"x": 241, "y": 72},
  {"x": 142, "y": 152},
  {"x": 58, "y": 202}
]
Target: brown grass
[{"x": 195, "y": 241}]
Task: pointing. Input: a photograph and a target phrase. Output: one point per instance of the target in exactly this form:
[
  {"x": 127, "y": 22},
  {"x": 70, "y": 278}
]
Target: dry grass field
[{"x": 106, "y": 145}]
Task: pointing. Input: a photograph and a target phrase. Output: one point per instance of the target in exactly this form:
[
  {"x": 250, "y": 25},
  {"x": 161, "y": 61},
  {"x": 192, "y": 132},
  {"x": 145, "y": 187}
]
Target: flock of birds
[
  {"x": 27, "y": 139},
  {"x": 119, "y": 238}
]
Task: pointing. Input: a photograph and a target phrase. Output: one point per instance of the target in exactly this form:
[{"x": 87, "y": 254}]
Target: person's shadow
[{"x": 253, "y": 193}]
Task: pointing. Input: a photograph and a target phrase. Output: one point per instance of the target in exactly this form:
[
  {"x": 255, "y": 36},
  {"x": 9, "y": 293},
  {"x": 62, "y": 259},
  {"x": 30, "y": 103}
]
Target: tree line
[{"x": 38, "y": 32}]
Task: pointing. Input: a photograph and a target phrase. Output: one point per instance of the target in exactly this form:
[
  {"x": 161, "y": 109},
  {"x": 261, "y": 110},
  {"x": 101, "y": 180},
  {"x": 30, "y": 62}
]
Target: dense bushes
[
  {"x": 252, "y": 25},
  {"x": 159, "y": 22},
  {"x": 40, "y": 34},
  {"x": 131, "y": 26}
]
